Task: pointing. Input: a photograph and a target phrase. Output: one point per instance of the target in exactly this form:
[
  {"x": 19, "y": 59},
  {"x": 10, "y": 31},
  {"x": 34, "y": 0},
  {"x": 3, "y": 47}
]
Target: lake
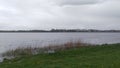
[{"x": 14, "y": 40}]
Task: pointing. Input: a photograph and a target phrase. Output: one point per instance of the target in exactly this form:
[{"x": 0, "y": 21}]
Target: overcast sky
[{"x": 61, "y": 14}]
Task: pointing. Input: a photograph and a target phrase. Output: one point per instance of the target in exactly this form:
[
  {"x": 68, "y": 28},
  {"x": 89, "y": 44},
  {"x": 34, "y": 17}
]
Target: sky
[{"x": 59, "y": 14}]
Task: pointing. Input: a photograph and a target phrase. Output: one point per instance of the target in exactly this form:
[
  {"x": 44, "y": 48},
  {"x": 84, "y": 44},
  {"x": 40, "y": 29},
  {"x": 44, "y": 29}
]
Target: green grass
[{"x": 105, "y": 56}]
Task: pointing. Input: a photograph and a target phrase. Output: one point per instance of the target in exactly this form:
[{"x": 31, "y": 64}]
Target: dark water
[{"x": 14, "y": 40}]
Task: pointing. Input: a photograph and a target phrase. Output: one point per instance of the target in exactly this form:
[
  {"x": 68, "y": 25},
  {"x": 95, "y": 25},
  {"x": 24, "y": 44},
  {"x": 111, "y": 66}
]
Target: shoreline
[{"x": 82, "y": 57}]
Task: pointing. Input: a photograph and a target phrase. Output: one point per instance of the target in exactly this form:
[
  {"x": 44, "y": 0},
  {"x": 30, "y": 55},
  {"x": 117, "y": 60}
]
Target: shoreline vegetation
[
  {"x": 68, "y": 55},
  {"x": 27, "y": 51},
  {"x": 62, "y": 30}
]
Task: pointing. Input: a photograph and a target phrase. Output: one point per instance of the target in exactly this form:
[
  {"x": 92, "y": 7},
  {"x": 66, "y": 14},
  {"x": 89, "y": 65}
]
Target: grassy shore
[{"x": 104, "y": 56}]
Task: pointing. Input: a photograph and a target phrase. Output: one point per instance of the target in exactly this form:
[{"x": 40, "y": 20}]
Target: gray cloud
[
  {"x": 77, "y": 2},
  {"x": 47, "y": 14}
]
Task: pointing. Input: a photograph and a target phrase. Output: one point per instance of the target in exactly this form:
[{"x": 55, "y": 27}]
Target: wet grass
[{"x": 104, "y": 56}]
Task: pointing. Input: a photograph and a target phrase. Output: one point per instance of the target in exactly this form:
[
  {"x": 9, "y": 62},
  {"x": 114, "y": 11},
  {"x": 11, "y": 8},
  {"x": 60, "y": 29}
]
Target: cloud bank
[
  {"x": 77, "y": 2},
  {"x": 66, "y": 14}
]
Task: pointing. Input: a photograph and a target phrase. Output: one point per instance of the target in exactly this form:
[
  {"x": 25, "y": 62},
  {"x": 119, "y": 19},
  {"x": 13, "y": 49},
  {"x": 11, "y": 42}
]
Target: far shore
[{"x": 59, "y": 31}]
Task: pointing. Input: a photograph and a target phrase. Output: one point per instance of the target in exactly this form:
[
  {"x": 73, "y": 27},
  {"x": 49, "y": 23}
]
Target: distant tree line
[{"x": 62, "y": 30}]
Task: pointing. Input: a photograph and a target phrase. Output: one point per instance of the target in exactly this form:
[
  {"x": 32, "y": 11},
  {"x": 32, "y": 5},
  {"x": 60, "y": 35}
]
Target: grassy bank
[{"x": 105, "y": 56}]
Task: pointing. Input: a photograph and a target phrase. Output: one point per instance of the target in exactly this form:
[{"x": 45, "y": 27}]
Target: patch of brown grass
[{"x": 38, "y": 50}]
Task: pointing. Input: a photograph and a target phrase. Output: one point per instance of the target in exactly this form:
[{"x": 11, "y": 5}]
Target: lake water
[{"x": 14, "y": 40}]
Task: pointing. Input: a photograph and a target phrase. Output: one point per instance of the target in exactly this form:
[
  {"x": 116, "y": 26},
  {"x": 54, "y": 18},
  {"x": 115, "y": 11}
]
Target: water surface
[{"x": 14, "y": 40}]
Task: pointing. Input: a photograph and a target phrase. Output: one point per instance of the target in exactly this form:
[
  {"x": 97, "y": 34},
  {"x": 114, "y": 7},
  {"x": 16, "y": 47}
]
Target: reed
[{"x": 21, "y": 51}]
